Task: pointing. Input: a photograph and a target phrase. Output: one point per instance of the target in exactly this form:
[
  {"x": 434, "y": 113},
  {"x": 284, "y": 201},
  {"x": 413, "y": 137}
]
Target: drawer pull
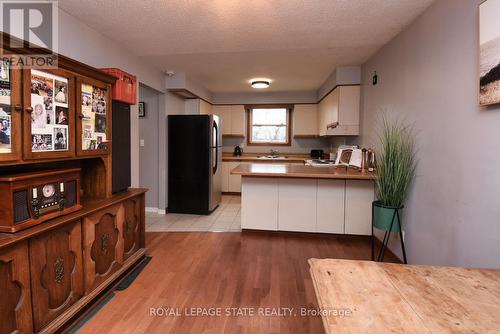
[{"x": 29, "y": 109}]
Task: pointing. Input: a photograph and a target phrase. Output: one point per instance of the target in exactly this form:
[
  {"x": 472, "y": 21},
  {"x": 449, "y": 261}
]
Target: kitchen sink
[{"x": 272, "y": 157}]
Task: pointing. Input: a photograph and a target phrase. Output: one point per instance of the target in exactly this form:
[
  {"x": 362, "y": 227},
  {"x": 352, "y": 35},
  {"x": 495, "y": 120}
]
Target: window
[{"x": 269, "y": 125}]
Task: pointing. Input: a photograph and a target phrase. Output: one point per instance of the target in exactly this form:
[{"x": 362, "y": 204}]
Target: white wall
[
  {"x": 429, "y": 75},
  {"x": 82, "y": 43}
]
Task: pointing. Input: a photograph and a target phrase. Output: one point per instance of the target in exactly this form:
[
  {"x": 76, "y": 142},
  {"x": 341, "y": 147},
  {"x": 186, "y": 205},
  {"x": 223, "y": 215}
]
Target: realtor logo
[{"x": 32, "y": 25}]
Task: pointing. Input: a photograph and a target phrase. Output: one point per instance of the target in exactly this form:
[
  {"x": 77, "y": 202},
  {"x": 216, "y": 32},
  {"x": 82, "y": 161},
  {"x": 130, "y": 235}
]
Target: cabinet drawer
[
  {"x": 56, "y": 273},
  {"x": 15, "y": 300},
  {"x": 102, "y": 245}
]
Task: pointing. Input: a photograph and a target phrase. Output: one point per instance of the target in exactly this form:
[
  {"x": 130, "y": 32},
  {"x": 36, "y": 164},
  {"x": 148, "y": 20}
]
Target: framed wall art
[{"x": 489, "y": 54}]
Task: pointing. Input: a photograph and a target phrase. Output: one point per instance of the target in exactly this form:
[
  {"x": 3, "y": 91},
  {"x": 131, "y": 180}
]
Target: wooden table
[{"x": 395, "y": 298}]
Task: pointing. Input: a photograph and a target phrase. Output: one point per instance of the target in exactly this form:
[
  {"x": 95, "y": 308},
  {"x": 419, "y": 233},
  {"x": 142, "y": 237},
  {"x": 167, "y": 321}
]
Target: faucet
[{"x": 274, "y": 153}]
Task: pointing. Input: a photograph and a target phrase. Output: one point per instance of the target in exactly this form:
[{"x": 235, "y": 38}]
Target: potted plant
[{"x": 394, "y": 173}]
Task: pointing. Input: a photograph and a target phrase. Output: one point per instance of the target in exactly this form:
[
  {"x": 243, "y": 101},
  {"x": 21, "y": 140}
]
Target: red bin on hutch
[{"x": 125, "y": 87}]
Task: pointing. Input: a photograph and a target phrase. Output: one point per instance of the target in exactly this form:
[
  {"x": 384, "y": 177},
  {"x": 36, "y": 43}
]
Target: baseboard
[{"x": 156, "y": 210}]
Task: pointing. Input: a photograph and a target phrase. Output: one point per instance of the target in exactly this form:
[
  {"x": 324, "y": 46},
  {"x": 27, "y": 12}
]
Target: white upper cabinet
[
  {"x": 339, "y": 112},
  {"x": 305, "y": 120},
  {"x": 233, "y": 119},
  {"x": 205, "y": 108}
]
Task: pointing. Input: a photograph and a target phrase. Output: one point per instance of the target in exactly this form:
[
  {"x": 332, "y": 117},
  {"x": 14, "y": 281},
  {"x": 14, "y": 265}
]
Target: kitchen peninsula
[{"x": 287, "y": 197}]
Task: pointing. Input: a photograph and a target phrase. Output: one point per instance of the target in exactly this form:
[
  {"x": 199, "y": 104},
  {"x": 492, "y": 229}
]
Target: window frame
[{"x": 249, "y": 110}]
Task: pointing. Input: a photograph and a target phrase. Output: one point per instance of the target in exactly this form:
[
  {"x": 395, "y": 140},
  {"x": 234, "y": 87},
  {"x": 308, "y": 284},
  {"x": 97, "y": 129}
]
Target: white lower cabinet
[
  {"x": 297, "y": 205},
  {"x": 225, "y": 177},
  {"x": 307, "y": 205},
  {"x": 330, "y": 206},
  {"x": 359, "y": 196},
  {"x": 230, "y": 183},
  {"x": 259, "y": 204}
]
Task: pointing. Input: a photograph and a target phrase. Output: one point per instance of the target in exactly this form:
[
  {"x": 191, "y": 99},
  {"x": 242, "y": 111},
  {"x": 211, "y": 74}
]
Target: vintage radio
[{"x": 29, "y": 199}]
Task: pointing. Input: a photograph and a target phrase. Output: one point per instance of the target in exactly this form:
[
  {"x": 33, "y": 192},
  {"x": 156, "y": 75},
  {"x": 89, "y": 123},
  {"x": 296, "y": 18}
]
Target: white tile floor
[{"x": 225, "y": 219}]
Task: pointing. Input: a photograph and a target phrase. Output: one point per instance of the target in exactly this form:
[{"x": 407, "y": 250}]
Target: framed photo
[
  {"x": 142, "y": 109},
  {"x": 489, "y": 56}
]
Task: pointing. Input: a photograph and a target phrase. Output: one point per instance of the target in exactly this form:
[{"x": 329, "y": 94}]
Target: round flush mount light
[{"x": 260, "y": 84}]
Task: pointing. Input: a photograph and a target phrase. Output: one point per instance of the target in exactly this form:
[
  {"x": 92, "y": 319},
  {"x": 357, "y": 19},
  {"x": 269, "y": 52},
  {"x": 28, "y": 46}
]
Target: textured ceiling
[{"x": 224, "y": 43}]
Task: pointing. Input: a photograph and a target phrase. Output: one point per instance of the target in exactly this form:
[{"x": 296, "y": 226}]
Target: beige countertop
[
  {"x": 254, "y": 157},
  {"x": 298, "y": 171}
]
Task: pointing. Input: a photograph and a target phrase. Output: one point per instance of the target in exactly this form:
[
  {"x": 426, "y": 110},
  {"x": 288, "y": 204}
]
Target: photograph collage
[
  {"x": 5, "y": 110},
  {"x": 94, "y": 117},
  {"x": 49, "y": 118}
]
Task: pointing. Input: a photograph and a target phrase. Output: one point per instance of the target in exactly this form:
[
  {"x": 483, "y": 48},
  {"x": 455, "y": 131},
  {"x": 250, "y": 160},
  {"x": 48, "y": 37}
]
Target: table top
[
  {"x": 300, "y": 171},
  {"x": 396, "y": 298}
]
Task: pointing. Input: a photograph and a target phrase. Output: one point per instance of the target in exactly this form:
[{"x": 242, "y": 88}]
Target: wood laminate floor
[{"x": 220, "y": 271}]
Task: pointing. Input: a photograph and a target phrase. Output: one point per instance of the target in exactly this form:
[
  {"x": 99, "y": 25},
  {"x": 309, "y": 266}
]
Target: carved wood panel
[
  {"x": 131, "y": 228},
  {"x": 15, "y": 297},
  {"x": 103, "y": 245},
  {"x": 56, "y": 272}
]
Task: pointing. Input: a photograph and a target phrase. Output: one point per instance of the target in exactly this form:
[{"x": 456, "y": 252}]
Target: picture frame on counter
[{"x": 142, "y": 109}]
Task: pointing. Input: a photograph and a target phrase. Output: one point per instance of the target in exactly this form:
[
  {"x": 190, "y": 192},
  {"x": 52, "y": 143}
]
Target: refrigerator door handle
[{"x": 216, "y": 134}]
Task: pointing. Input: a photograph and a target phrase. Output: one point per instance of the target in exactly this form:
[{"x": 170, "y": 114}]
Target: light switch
[{"x": 141, "y": 142}]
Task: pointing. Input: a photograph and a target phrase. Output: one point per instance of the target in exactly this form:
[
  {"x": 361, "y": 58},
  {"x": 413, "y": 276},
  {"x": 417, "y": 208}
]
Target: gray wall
[
  {"x": 148, "y": 154},
  {"x": 429, "y": 75}
]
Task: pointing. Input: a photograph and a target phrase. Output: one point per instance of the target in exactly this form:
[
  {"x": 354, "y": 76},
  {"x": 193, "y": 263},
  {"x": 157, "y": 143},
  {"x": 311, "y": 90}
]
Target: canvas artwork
[{"x": 489, "y": 38}]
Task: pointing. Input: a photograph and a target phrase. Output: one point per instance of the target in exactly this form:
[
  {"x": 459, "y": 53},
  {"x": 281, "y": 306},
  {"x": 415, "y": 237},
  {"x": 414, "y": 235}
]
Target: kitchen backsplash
[{"x": 298, "y": 145}]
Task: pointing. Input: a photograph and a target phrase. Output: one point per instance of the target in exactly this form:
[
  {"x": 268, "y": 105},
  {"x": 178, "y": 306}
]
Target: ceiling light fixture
[{"x": 260, "y": 84}]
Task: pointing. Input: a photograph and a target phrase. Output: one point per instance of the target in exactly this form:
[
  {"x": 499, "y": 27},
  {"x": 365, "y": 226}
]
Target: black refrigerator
[{"x": 194, "y": 163}]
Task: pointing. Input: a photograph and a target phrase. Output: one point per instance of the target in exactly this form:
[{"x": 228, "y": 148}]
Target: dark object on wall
[
  {"x": 317, "y": 154},
  {"x": 237, "y": 151},
  {"x": 375, "y": 78},
  {"x": 121, "y": 146},
  {"x": 194, "y": 163},
  {"x": 142, "y": 109}
]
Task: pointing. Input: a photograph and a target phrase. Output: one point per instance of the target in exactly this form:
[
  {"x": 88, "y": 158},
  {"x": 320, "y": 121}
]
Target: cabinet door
[
  {"x": 102, "y": 245},
  {"x": 15, "y": 300},
  {"x": 10, "y": 113},
  {"x": 297, "y": 205},
  {"x": 224, "y": 112},
  {"x": 225, "y": 177},
  {"x": 56, "y": 273},
  {"x": 93, "y": 102},
  {"x": 132, "y": 227},
  {"x": 305, "y": 120},
  {"x": 259, "y": 203},
  {"x": 322, "y": 122},
  {"x": 234, "y": 181},
  {"x": 330, "y": 206},
  {"x": 49, "y": 119},
  {"x": 359, "y": 195},
  {"x": 238, "y": 124},
  {"x": 205, "y": 108}
]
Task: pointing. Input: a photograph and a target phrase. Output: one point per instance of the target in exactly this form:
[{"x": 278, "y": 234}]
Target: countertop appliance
[
  {"x": 317, "y": 154},
  {"x": 194, "y": 163},
  {"x": 237, "y": 151}
]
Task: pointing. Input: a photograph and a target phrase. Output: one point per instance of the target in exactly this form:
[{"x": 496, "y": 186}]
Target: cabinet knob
[
  {"x": 29, "y": 109},
  {"x": 18, "y": 107},
  {"x": 81, "y": 115}
]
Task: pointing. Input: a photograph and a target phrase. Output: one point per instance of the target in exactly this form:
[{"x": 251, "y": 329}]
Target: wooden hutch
[{"x": 52, "y": 273}]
